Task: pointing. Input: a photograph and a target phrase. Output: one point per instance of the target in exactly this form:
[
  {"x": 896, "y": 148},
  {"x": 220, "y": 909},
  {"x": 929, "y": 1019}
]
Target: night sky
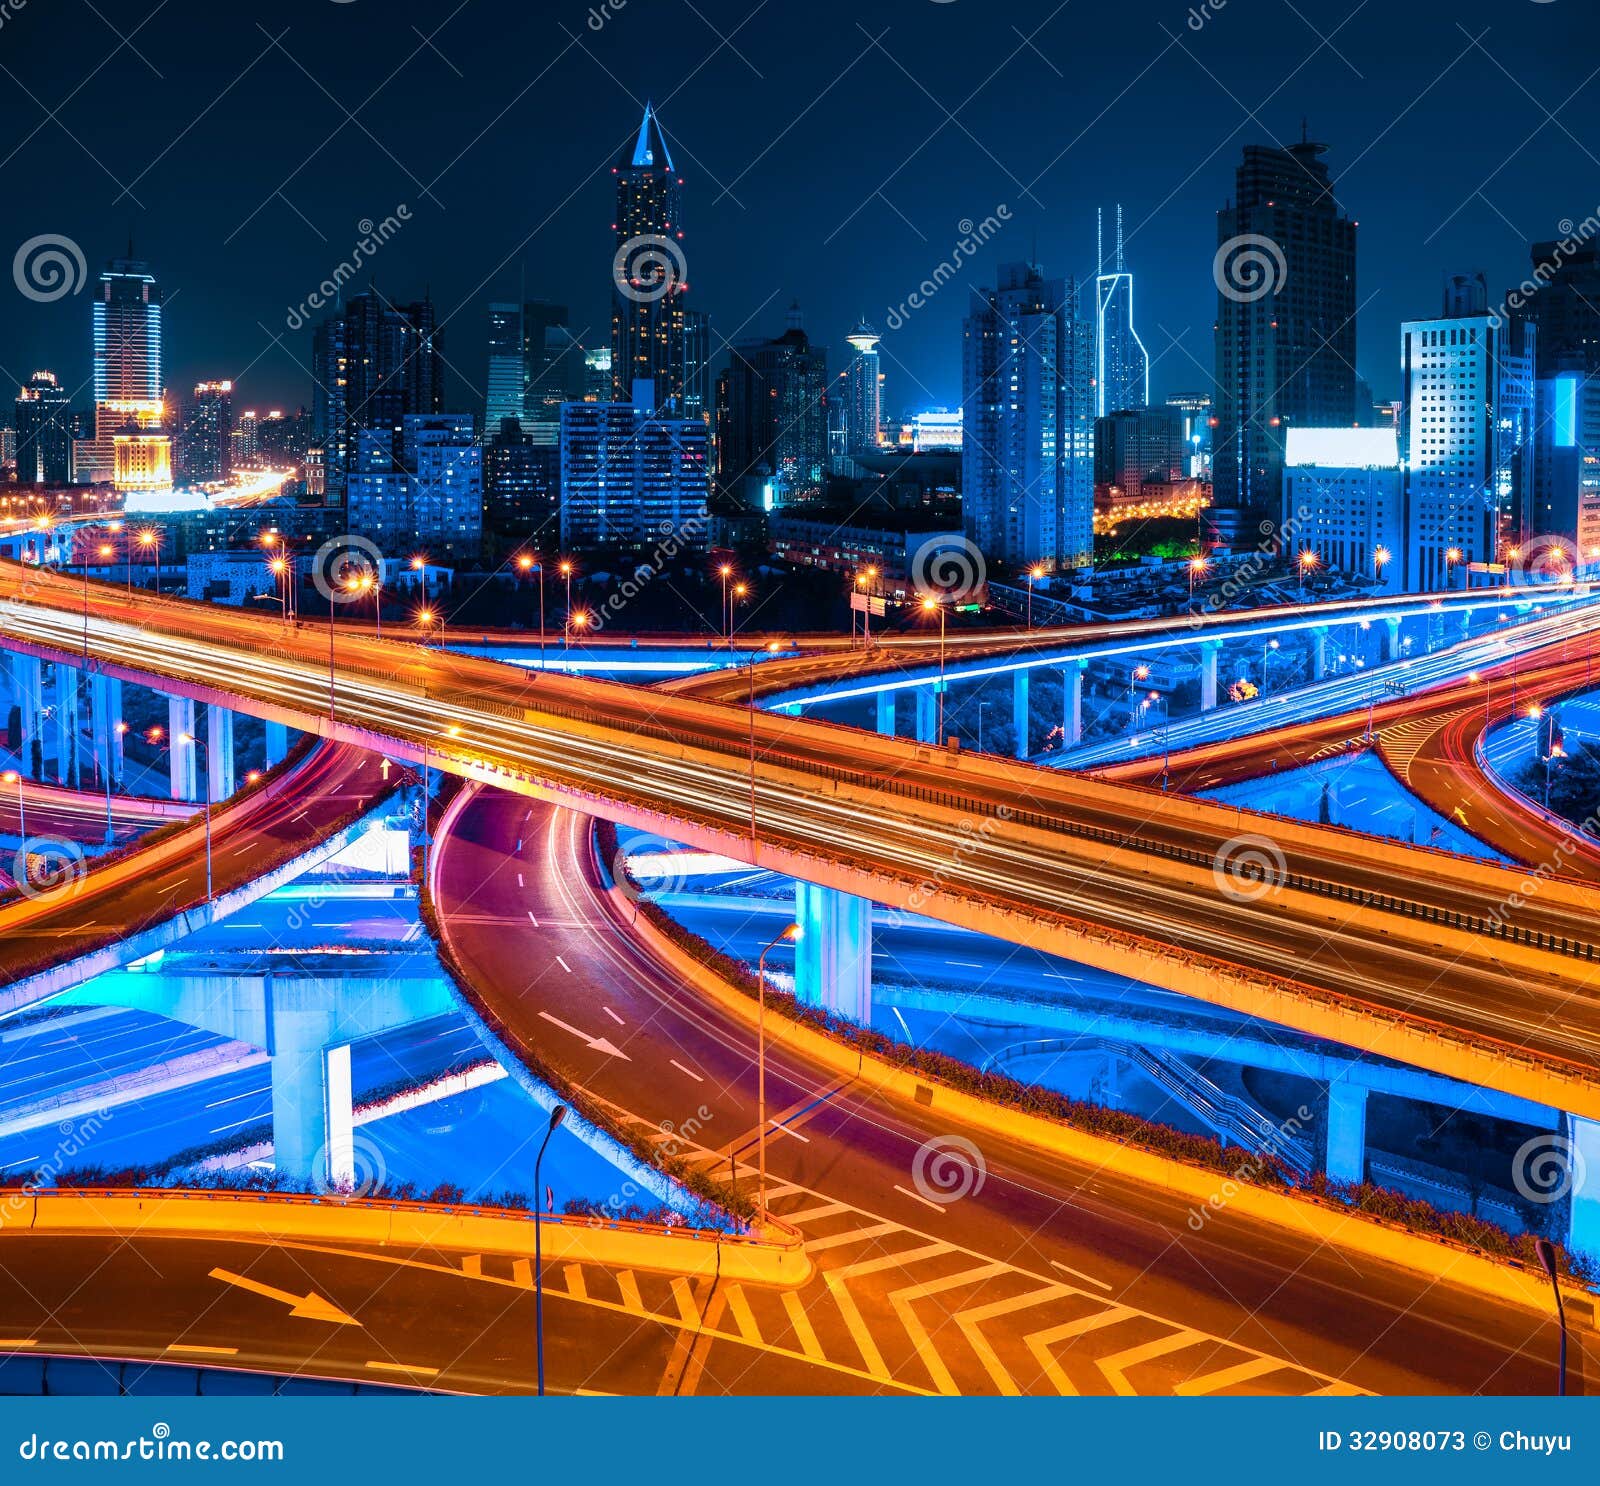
[{"x": 830, "y": 152}]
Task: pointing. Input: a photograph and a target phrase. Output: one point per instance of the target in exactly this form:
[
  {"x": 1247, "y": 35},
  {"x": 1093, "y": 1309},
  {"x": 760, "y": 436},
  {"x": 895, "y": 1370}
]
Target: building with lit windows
[
  {"x": 1342, "y": 500},
  {"x": 433, "y": 495},
  {"x": 127, "y": 333},
  {"x": 503, "y": 385},
  {"x": 44, "y": 432},
  {"x": 1466, "y": 435},
  {"x": 1135, "y": 448},
  {"x": 649, "y": 277},
  {"x": 1122, "y": 365},
  {"x": 521, "y": 485},
  {"x": 632, "y": 476},
  {"x": 205, "y": 443},
  {"x": 1027, "y": 471},
  {"x": 1285, "y": 271},
  {"x": 861, "y": 411},
  {"x": 1564, "y": 509},
  {"x": 772, "y": 431}
]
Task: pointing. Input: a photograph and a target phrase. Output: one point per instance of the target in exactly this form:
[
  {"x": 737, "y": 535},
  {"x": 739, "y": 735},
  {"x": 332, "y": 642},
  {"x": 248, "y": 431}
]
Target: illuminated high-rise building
[
  {"x": 863, "y": 406},
  {"x": 44, "y": 432},
  {"x": 554, "y": 370},
  {"x": 127, "y": 333},
  {"x": 503, "y": 387},
  {"x": 772, "y": 434},
  {"x": 1285, "y": 271},
  {"x": 697, "y": 353},
  {"x": 1466, "y": 439},
  {"x": 1122, "y": 366},
  {"x": 205, "y": 442},
  {"x": 1027, "y": 455},
  {"x": 649, "y": 276}
]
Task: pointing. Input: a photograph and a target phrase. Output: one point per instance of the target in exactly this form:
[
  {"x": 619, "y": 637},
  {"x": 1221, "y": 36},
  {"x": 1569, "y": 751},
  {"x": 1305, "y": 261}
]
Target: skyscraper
[
  {"x": 863, "y": 411},
  {"x": 44, "y": 432},
  {"x": 1122, "y": 366},
  {"x": 127, "y": 333},
  {"x": 649, "y": 274},
  {"x": 205, "y": 439},
  {"x": 772, "y": 440},
  {"x": 503, "y": 386},
  {"x": 554, "y": 369},
  {"x": 1027, "y": 456},
  {"x": 1285, "y": 270},
  {"x": 1466, "y": 438},
  {"x": 697, "y": 353}
]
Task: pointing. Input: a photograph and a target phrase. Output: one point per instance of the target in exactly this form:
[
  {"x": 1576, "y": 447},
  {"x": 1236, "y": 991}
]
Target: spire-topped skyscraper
[
  {"x": 1122, "y": 366},
  {"x": 649, "y": 274}
]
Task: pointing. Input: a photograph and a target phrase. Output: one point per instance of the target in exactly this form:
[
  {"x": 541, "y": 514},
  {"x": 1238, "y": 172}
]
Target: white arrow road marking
[
  {"x": 308, "y": 1307},
  {"x": 599, "y": 1044}
]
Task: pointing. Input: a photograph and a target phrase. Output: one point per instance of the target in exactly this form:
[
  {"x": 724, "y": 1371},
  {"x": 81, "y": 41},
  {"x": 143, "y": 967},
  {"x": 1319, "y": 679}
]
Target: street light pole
[
  {"x": 790, "y": 934},
  {"x": 1547, "y": 1257},
  {"x": 557, "y": 1115}
]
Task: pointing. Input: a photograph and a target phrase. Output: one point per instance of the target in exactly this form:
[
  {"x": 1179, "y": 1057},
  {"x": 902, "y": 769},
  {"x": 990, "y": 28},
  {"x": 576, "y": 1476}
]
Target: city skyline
[{"x": 847, "y": 242}]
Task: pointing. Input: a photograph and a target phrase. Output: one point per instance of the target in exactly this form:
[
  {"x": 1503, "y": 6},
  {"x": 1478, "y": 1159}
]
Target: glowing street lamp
[
  {"x": 929, "y": 604},
  {"x": 1035, "y": 573},
  {"x": 1380, "y": 559},
  {"x": 149, "y": 538},
  {"x": 1308, "y": 561},
  {"x": 14, "y": 776},
  {"x": 565, "y": 569},
  {"x": 1197, "y": 565}
]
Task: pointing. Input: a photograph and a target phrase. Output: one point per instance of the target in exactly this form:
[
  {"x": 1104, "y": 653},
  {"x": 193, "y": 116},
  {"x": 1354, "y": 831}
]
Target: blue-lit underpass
[{"x": 311, "y": 1035}]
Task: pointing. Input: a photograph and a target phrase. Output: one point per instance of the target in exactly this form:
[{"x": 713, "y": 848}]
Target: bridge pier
[
  {"x": 277, "y": 743},
  {"x": 1208, "y": 674},
  {"x": 181, "y": 763},
  {"x": 105, "y": 715},
  {"x": 833, "y": 957},
  {"x": 1019, "y": 712},
  {"x": 885, "y": 702},
  {"x": 1072, "y": 703},
  {"x": 219, "y": 752},
  {"x": 1347, "y": 1132},
  {"x": 312, "y": 1116},
  {"x": 27, "y": 679},
  {"x": 1390, "y": 639},
  {"x": 1583, "y": 1163},
  {"x": 1319, "y": 652},
  {"x": 927, "y": 714},
  {"x": 66, "y": 724}
]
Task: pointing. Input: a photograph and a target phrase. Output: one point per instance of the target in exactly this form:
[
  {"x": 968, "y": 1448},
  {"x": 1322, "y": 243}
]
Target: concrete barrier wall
[{"x": 278, "y": 1217}]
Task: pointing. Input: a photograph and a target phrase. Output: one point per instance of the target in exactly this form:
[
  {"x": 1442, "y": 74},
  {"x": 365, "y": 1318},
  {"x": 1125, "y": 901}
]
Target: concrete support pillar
[
  {"x": 1391, "y": 639},
  {"x": 181, "y": 757},
  {"x": 1319, "y": 652},
  {"x": 886, "y": 713},
  {"x": 1208, "y": 674},
  {"x": 1466, "y": 625},
  {"x": 65, "y": 727},
  {"x": 1019, "y": 712},
  {"x": 312, "y": 1117},
  {"x": 833, "y": 957},
  {"x": 1583, "y": 1226},
  {"x": 1347, "y": 1132},
  {"x": 1072, "y": 704},
  {"x": 927, "y": 714},
  {"x": 219, "y": 751},
  {"x": 27, "y": 679},
  {"x": 103, "y": 718}
]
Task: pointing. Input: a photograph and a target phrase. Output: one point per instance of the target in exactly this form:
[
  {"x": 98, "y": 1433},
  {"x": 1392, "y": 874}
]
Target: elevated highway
[{"x": 1400, "y": 951}]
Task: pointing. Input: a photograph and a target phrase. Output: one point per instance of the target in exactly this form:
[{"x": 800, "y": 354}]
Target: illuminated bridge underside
[{"x": 1406, "y": 953}]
